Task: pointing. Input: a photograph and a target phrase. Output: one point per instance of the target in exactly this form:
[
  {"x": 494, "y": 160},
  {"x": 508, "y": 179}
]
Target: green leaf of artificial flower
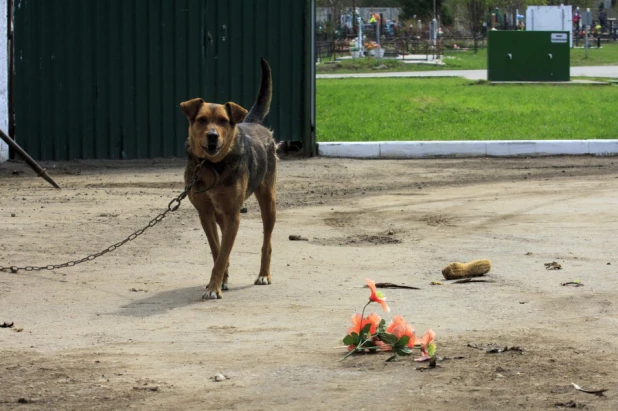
[
  {"x": 351, "y": 339},
  {"x": 389, "y": 339},
  {"x": 392, "y": 358},
  {"x": 365, "y": 331},
  {"x": 431, "y": 349},
  {"x": 404, "y": 351},
  {"x": 403, "y": 341},
  {"x": 382, "y": 326}
]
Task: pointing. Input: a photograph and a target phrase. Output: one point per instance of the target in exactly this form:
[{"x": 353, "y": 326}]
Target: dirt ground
[{"x": 129, "y": 329}]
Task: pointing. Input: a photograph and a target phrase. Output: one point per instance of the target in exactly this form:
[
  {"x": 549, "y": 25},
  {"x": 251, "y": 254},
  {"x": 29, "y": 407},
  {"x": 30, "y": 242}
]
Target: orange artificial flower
[
  {"x": 426, "y": 341},
  {"x": 359, "y": 324},
  {"x": 398, "y": 327},
  {"x": 373, "y": 319},
  {"x": 377, "y": 296}
]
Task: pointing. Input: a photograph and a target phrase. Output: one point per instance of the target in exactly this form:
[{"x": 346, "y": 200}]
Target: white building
[{"x": 549, "y": 18}]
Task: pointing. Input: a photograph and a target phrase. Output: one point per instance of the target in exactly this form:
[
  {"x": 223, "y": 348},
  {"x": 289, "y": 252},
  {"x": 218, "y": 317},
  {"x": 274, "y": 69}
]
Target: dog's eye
[
  {"x": 222, "y": 121},
  {"x": 201, "y": 120}
]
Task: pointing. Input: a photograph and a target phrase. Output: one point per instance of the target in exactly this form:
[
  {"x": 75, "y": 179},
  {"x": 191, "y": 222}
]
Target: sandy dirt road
[{"x": 129, "y": 329}]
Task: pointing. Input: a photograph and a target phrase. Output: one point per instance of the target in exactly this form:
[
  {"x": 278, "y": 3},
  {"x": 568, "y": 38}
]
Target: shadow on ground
[{"x": 167, "y": 300}]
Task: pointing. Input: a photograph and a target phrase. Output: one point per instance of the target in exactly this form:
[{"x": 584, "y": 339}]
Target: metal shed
[{"x": 104, "y": 79}]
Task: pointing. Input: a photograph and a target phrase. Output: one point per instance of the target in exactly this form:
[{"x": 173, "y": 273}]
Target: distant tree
[
  {"x": 333, "y": 3},
  {"x": 377, "y": 3},
  {"x": 423, "y": 10},
  {"x": 472, "y": 13},
  {"x": 359, "y": 3},
  {"x": 337, "y": 6}
]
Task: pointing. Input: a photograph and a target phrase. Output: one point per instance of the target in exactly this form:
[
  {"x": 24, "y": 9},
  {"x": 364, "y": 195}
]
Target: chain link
[{"x": 171, "y": 207}]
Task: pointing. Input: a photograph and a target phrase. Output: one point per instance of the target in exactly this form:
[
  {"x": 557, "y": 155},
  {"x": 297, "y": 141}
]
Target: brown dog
[{"x": 231, "y": 156}]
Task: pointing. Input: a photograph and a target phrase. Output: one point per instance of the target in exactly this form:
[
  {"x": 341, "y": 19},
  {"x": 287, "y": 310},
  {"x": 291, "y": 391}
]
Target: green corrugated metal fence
[{"x": 103, "y": 79}]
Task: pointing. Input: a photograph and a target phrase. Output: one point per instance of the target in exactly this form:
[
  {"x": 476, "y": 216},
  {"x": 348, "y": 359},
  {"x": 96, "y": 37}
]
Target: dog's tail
[{"x": 262, "y": 103}]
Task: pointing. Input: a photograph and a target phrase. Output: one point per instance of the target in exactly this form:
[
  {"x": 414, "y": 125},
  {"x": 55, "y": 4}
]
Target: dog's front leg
[
  {"x": 231, "y": 222},
  {"x": 210, "y": 228}
]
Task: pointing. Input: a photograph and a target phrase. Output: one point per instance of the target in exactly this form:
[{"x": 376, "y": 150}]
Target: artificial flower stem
[
  {"x": 362, "y": 316},
  {"x": 358, "y": 347},
  {"x": 363, "y": 313}
]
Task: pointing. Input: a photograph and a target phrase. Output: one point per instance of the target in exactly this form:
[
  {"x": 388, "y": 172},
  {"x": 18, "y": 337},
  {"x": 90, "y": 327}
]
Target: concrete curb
[
  {"x": 498, "y": 148},
  {"x": 590, "y": 71}
]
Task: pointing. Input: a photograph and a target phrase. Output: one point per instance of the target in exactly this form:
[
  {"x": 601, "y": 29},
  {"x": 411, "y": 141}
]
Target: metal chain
[{"x": 171, "y": 207}]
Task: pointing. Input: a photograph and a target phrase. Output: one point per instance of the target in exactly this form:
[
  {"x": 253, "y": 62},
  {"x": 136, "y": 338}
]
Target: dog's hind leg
[{"x": 265, "y": 195}]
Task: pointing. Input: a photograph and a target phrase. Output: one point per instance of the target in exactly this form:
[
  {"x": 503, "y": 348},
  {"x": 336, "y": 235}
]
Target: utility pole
[
  {"x": 379, "y": 42},
  {"x": 587, "y": 23},
  {"x": 353, "y": 15}
]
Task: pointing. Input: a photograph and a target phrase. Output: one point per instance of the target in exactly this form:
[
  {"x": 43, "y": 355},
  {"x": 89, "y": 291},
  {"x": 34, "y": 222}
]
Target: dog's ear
[
  {"x": 191, "y": 107},
  {"x": 236, "y": 113}
]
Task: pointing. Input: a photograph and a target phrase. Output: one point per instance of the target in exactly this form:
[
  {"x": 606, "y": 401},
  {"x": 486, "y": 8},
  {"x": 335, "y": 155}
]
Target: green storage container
[{"x": 528, "y": 56}]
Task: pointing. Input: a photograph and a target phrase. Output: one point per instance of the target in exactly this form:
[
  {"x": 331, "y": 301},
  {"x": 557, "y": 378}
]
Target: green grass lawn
[
  {"x": 465, "y": 60},
  {"x": 455, "y": 109},
  {"x": 607, "y": 55}
]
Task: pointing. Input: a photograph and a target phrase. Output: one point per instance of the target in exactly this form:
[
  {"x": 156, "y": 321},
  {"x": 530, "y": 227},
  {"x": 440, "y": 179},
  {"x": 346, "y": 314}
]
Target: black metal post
[{"x": 29, "y": 160}]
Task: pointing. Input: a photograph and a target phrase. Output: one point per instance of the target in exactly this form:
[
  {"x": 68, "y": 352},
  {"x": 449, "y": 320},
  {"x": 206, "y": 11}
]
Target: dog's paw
[
  {"x": 211, "y": 295},
  {"x": 224, "y": 287},
  {"x": 262, "y": 281}
]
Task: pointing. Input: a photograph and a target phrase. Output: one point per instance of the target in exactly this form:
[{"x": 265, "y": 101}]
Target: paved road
[{"x": 590, "y": 71}]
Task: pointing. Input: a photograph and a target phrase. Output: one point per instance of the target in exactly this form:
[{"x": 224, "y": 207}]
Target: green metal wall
[
  {"x": 104, "y": 78},
  {"x": 528, "y": 56}
]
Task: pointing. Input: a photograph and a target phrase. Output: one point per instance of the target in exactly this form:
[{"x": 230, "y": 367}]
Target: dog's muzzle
[{"x": 212, "y": 142}]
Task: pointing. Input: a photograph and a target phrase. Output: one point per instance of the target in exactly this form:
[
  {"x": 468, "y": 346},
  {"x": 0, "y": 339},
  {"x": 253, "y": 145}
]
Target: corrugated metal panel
[
  {"x": 103, "y": 79},
  {"x": 243, "y": 31}
]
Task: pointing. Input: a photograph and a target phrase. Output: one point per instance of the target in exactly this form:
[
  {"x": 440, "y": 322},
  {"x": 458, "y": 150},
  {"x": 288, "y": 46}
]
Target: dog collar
[{"x": 198, "y": 171}]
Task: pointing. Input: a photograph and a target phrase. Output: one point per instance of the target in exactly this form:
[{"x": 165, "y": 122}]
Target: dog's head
[{"x": 212, "y": 127}]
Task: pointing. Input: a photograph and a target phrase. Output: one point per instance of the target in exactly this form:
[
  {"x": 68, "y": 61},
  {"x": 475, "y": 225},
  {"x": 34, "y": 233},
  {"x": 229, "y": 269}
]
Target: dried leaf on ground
[
  {"x": 575, "y": 283},
  {"x": 472, "y": 280},
  {"x": 595, "y": 392},
  {"x": 495, "y": 349},
  {"x": 391, "y": 285}
]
